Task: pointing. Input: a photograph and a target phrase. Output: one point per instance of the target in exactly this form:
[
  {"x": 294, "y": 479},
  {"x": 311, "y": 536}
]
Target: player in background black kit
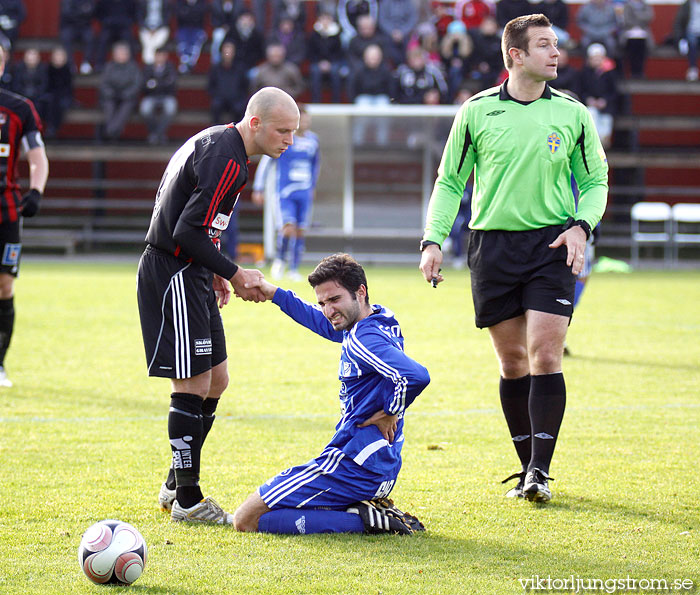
[
  {"x": 20, "y": 131},
  {"x": 183, "y": 276}
]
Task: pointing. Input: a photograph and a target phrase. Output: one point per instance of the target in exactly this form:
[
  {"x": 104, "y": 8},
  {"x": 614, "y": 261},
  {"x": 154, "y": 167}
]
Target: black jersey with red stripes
[
  {"x": 18, "y": 121},
  {"x": 199, "y": 190}
]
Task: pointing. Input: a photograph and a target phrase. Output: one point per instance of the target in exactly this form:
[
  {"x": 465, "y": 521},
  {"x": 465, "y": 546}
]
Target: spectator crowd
[{"x": 371, "y": 52}]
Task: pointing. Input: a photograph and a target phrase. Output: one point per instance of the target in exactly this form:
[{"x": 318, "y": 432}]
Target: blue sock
[
  {"x": 298, "y": 251},
  {"x": 295, "y": 521},
  {"x": 282, "y": 247},
  {"x": 578, "y": 292}
]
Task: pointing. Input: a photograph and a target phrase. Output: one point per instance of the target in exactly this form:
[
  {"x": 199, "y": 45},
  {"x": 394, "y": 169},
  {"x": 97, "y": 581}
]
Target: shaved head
[
  {"x": 268, "y": 101},
  {"x": 270, "y": 121}
]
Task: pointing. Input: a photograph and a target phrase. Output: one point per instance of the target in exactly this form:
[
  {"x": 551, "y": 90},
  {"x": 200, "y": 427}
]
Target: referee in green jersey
[{"x": 522, "y": 141}]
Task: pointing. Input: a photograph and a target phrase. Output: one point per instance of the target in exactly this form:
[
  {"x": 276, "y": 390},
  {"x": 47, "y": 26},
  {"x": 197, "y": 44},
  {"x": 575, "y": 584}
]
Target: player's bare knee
[
  {"x": 244, "y": 521},
  {"x": 219, "y": 383},
  {"x": 546, "y": 360},
  {"x": 6, "y": 286},
  {"x": 514, "y": 363}
]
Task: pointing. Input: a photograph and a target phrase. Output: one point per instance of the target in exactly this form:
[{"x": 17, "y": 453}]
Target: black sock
[
  {"x": 208, "y": 417},
  {"x": 185, "y": 433},
  {"x": 7, "y": 323},
  {"x": 170, "y": 482},
  {"x": 515, "y": 393},
  {"x": 547, "y": 404}
]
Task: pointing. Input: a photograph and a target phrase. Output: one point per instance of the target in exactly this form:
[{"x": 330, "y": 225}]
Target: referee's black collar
[{"x": 503, "y": 94}]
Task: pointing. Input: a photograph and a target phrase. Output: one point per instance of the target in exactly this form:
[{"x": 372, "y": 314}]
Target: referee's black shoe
[
  {"x": 376, "y": 520},
  {"x": 536, "y": 488}
]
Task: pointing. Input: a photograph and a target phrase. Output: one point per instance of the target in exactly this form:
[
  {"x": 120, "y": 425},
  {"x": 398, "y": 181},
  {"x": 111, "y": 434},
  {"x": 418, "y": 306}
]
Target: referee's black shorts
[
  {"x": 514, "y": 271},
  {"x": 181, "y": 325}
]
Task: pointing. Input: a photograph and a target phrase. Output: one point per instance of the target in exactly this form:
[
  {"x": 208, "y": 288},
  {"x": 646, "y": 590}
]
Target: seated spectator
[
  {"x": 557, "y": 11},
  {"x": 349, "y": 11},
  {"x": 417, "y": 78},
  {"x": 473, "y": 12},
  {"x": 7, "y": 76},
  {"x": 368, "y": 34},
  {"x": 154, "y": 26},
  {"x": 326, "y": 6},
  {"x": 278, "y": 72},
  {"x": 76, "y": 25},
  {"x": 371, "y": 85},
  {"x": 396, "y": 20},
  {"x": 426, "y": 36},
  {"x": 598, "y": 24},
  {"x": 635, "y": 34},
  {"x": 598, "y": 87},
  {"x": 326, "y": 57},
  {"x": 120, "y": 86},
  {"x": 31, "y": 79},
  {"x": 295, "y": 10},
  {"x": 687, "y": 27},
  {"x": 464, "y": 93},
  {"x": 507, "y": 10},
  {"x": 568, "y": 77},
  {"x": 223, "y": 19},
  {"x": 12, "y": 15},
  {"x": 190, "y": 35},
  {"x": 159, "y": 103},
  {"x": 116, "y": 19},
  {"x": 59, "y": 91},
  {"x": 486, "y": 60},
  {"x": 441, "y": 15},
  {"x": 249, "y": 41},
  {"x": 291, "y": 38},
  {"x": 228, "y": 86},
  {"x": 456, "y": 49}
]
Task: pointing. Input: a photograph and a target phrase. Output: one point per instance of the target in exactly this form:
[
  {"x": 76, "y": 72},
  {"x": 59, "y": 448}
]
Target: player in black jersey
[
  {"x": 20, "y": 131},
  {"x": 183, "y": 276}
]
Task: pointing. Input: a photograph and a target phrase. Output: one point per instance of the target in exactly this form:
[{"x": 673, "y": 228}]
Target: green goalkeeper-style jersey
[{"x": 523, "y": 156}]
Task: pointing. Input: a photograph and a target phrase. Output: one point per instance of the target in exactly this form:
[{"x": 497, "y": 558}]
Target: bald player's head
[
  {"x": 268, "y": 100},
  {"x": 271, "y": 118}
]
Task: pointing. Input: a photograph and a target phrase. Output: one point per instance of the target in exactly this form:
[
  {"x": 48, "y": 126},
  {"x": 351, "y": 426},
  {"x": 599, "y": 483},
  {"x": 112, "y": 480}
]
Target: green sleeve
[
  {"x": 453, "y": 173},
  {"x": 590, "y": 168}
]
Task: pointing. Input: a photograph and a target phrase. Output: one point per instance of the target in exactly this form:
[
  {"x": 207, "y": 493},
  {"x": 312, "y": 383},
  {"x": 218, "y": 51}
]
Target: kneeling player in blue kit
[{"x": 345, "y": 488}]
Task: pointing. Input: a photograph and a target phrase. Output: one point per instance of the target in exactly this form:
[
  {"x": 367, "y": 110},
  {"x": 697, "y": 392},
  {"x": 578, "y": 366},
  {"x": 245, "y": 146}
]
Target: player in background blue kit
[
  {"x": 345, "y": 488},
  {"x": 296, "y": 174}
]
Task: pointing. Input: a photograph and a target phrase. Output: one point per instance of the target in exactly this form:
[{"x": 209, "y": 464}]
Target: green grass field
[{"x": 83, "y": 438}]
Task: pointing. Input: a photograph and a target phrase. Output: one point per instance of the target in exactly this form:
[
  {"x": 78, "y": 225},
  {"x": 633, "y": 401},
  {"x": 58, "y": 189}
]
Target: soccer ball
[{"x": 112, "y": 552}]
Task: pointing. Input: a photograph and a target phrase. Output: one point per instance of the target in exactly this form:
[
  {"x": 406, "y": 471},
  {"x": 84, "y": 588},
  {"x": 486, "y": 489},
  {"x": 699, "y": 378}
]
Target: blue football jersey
[
  {"x": 375, "y": 374},
  {"x": 296, "y": 170}
]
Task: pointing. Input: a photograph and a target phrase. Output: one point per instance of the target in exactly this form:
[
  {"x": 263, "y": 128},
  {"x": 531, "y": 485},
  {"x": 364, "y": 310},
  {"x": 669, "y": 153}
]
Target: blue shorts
[
  {"x": 295, "y": 210},
  {"x": 332, "y": 480}
]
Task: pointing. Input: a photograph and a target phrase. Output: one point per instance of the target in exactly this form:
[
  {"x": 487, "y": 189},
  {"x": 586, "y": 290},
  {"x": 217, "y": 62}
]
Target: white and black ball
[{"x": 112, "y": 552}]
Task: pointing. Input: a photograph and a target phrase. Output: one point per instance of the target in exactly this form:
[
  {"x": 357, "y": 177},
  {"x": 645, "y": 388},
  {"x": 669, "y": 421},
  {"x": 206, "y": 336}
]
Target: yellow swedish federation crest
[{"x": 553, "y": 142}]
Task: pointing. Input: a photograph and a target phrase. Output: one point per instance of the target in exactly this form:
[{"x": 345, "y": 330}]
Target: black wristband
[
  {"x": 584, "y": 226},
  {"x": 578, "y": 223},
  {"x": 425, "y": 243}
]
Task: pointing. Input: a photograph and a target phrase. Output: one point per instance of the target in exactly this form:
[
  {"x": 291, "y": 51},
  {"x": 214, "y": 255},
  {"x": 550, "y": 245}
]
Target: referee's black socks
[
  {"x": 547, "y": 403},
  {"x": 185, "y": 430},
  {"x": 515, "y": 393},
  {"x": 7, "y": 324}
]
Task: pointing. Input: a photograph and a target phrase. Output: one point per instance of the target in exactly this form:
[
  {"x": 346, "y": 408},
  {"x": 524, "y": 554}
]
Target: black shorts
[
  {"x": 181, "y": 324},
  {"x": 11, "y": 247},
  {"x": 514, "y": 271}
]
